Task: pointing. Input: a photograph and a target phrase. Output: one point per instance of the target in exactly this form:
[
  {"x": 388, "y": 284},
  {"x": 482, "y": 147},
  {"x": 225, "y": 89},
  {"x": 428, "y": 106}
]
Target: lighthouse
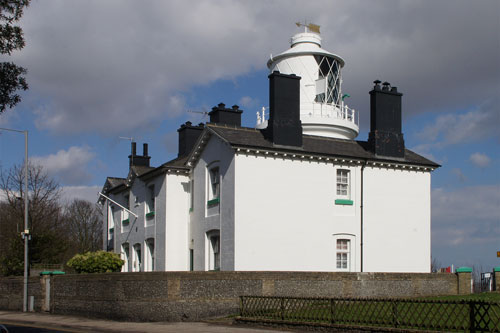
[{"x": 322, "y": 108}]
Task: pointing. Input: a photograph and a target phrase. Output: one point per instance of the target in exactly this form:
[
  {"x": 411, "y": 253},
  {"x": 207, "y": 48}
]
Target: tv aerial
[{"x": 204, "y": 113}]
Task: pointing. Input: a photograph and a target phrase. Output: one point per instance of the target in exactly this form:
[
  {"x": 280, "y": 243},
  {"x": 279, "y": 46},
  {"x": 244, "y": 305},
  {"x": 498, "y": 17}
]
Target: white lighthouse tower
[{"x": 322, "y": 109}]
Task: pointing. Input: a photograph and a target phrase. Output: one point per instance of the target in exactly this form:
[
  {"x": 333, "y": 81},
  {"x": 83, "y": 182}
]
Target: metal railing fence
[{"x": 440, "y": 315}]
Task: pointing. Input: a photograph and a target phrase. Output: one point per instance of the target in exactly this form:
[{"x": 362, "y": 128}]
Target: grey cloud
[
  {"x": 114, "y": 65},
  {"x": 465, "y": 225},
  {"x": 89, "y": 193},
  {"x": 466, "y": 205},
  {"x": 450, "y": 129},
  {"x": 480, "y": 160}
]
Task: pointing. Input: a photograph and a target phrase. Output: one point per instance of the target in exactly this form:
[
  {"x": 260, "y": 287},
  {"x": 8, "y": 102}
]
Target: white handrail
[{"x": 116, "y": 203}]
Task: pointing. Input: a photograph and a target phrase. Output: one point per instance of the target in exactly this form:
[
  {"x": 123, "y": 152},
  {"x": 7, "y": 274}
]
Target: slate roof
[
  {"x": 115, "y": 181},
  {"x": 242, "y": 137},
  {"x": 141, "y": 169},
  {"x": 176, "y": 163}
]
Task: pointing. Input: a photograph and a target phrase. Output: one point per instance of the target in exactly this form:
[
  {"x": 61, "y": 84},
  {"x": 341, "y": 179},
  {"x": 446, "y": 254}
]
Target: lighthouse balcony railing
[
  {"x": 318, "y": 110},
  {"x": 333, "y": 111}
]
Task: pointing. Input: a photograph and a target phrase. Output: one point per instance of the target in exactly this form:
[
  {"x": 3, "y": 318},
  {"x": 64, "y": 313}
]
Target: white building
[{"x": 297, "y": 193}]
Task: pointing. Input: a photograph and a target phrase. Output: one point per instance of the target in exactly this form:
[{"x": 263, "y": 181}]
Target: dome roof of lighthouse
[{"x": 304, "y": 43}]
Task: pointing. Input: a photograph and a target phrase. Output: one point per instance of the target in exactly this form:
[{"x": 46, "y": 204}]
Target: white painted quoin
[{"x": 297, "y": 193}]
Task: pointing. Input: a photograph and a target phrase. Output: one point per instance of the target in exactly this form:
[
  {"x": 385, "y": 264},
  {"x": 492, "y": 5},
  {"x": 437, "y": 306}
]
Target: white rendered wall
[
  {"x": 177, "y": 222},
  {"x": 285, "y": 215},
  {"x": 397, "y": 221},
  {"x": 219, "y": 217}
]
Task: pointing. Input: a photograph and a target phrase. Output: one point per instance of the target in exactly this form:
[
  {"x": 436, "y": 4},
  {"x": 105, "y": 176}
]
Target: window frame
[
  {"x": 343, "y": 183},
  {"x": 213, "y": 184},
  {"x": 350, "y": 252},
  {"x": 213, "y": 250},
  {"x": 125, "y": 256},
  {"x": 150, "y": 202},
  {"x": 344, "y": 253}
]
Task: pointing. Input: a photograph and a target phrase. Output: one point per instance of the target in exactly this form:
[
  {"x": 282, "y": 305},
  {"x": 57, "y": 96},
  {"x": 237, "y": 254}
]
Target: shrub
[{"x": 96, "y": 262}]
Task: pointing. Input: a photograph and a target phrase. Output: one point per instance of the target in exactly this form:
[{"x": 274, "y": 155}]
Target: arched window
[
  {"x": 149, "y": 258},
  {"x": 213, "y": 250},
  {"x": 345, "y": 249},
  {"x": 124, "y": 254},
  {"x": 137, "y": 258}
]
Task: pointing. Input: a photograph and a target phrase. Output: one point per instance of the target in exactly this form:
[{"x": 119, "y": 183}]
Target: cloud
[
  {"x": 247, "y": 102},
  {"x": 459, "y": 174},
  {"x": 471, "y": 212},
  {"x": 480, "y": 160},
  {"x": 121, "y": 65},
  {"x": 465, "y": 225},
  {"x": 89, "y": 193},
  {"x": 69, "y": 166},
  {"x": 472, "y": 126}
]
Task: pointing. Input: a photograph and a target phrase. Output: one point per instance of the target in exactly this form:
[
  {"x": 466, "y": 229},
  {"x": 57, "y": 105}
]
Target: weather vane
[{"x": 311, "y": 26}]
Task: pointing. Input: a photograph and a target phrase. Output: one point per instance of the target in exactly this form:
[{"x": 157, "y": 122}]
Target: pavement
[{"x": 80, "y": 324}]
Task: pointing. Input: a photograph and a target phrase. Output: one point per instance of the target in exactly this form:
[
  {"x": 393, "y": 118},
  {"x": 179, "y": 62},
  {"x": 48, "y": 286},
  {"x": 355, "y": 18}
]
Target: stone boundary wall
[{"x": 191, "y": 296}]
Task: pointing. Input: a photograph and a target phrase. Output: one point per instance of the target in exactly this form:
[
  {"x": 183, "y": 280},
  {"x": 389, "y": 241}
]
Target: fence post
[
  {"x": 282, "y": 308},
  {"x": 241, "y": 306},
  {"x": 464, "y": 275},
  {"x": 472, "y": 317},
  {"x": 496, "y": 278},
  {"x": 332, "y": 311}
]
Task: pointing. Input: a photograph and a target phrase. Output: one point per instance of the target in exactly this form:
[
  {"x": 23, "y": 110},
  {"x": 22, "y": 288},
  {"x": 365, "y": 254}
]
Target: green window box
[
  {"x": 213, "y": 202},
  {"x": 126, "y": 221},
  {"x": 344, "y": 202},
  {"x": 150, "y": 215}
]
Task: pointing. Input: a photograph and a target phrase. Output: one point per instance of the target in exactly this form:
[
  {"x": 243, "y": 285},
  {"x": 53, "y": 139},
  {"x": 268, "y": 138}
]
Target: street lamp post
[{"x": 26, "y": 233}]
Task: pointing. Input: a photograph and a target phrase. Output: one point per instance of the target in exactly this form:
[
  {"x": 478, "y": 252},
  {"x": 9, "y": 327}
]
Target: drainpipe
[
  {"x": 361, "y": 212},
  {"x": 107, "y": 226}
]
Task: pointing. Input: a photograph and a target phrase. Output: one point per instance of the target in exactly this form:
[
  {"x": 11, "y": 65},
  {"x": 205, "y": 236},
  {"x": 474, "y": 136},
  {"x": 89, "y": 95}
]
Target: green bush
[{"x": 96, "y": 262}]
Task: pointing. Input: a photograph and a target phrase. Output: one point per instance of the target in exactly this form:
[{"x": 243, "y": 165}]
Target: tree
[
  {"x": 49, "y": 243},
  {"x": 11, "y": 38},
  {"x": 84, "y": 225}
]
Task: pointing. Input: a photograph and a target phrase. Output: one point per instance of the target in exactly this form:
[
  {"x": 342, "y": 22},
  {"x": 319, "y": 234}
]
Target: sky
[{"x": 101, "y": 70}]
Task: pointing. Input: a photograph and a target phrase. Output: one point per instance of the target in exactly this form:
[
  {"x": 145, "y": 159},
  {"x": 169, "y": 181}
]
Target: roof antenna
[
  {"x": 131, "y": 140},
  {"x": 204, "y": 113}
]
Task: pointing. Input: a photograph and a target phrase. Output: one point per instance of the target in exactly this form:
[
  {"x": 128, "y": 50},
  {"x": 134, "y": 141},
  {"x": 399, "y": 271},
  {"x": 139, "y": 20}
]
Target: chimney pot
[
  {"x": 145, "y": 149},
  {"x": 134, "y": 148},
  {"x": 188, "y": 135},
  {"x": 228, "y": 116}
]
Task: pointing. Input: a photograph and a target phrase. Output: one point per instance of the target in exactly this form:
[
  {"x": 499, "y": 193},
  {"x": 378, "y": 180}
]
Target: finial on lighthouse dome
[
  {"x": 322, "y": 108},
  {"x": 310, "y": 35}
]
